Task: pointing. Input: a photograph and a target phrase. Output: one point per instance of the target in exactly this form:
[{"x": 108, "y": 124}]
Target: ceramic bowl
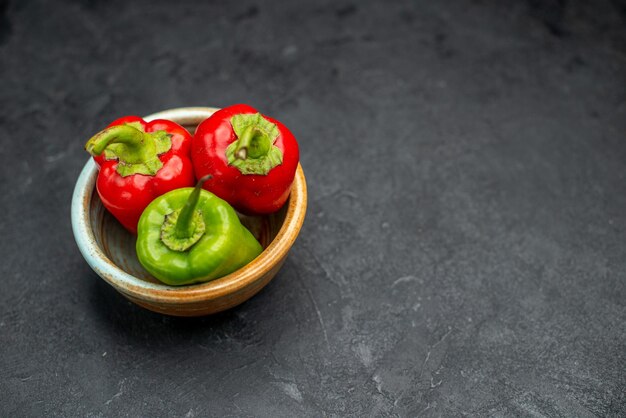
[{"x": 110, "y": 250}]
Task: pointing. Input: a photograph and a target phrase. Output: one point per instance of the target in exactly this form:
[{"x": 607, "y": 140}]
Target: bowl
[{"x": 110, "y": 250}]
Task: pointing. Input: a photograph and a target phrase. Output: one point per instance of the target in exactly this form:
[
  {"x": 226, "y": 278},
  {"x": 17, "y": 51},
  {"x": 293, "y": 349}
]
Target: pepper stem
[
  {"x": 254, "y": 152},
  {"x": 137, "y": 151},
  {"x": 252, "y": 143},
  {"x": 120, "y": 134},
  {"x": 185, "y": 226}
]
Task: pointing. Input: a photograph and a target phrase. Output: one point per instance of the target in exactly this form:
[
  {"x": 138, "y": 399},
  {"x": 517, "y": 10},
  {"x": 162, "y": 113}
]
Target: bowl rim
[{"x": 162, "y": 293}]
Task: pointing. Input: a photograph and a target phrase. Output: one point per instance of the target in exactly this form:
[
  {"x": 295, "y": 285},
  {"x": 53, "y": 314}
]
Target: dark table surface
[{"x": 464, "y": 251}]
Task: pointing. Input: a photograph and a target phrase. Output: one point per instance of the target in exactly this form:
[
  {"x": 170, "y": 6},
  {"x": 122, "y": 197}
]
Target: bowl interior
[{"x": 119, "y": 245}]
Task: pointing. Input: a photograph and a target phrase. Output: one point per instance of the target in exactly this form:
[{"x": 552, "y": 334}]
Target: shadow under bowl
[{"x": 110, "y": 249}]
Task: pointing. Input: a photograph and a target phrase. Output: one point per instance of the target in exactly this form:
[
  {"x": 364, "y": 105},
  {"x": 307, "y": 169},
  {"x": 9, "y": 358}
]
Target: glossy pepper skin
[
  {"x": 190, "y": 235},
  {"x": 133, "y": 170},
  {"x": 252, "y": 158}
]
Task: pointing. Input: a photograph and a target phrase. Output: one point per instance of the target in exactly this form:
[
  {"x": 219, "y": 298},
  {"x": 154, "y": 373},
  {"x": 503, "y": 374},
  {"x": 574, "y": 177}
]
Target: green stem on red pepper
[
  {"x": 253, "y": 143},
  {"x": 254, "y": 151},
  {"x": 136, "y": 151}
]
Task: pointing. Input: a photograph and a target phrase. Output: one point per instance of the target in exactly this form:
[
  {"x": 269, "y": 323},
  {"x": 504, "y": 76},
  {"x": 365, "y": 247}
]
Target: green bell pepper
[{"x": 190, "y": 235}]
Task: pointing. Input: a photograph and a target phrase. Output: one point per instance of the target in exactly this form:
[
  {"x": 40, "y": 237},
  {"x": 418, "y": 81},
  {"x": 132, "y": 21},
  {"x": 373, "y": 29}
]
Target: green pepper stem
[
  {"x": 253, "y": 152},
  {"x": 184, "y": 225},
  {"x": 252, "y": 143},
  {"x": 241, "y": 152},
  {"x": 137, "y": 151},
  {"x": 119, "y": 134}
]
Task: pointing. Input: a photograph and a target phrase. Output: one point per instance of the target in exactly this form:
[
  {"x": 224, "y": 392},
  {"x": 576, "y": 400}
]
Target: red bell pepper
[
  {"x": 138, "y": 162},
  {"x": 252, "y": 158}
]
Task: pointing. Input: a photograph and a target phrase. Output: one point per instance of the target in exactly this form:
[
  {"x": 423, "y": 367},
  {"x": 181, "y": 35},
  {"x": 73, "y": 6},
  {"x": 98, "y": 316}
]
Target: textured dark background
[{"x": 464, "y": 251}]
